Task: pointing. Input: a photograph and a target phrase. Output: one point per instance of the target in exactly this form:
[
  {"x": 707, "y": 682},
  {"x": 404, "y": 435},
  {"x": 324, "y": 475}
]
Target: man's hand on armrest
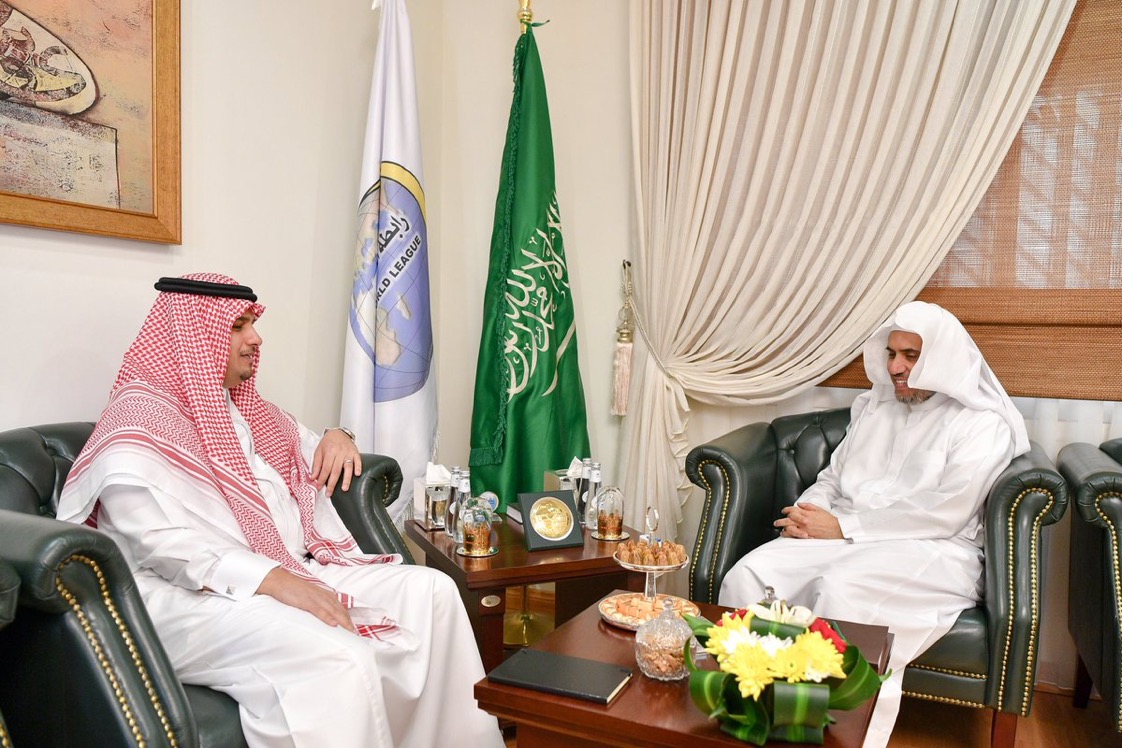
[
  {"x": 300, "y": 593},
  {"x": 336, "y": 461},
  {"x": 809, "y": 521}
]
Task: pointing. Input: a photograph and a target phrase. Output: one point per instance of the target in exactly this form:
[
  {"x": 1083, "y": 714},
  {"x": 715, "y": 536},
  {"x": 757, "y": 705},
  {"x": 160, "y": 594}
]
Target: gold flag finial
[{"x": 525, "y": 15}]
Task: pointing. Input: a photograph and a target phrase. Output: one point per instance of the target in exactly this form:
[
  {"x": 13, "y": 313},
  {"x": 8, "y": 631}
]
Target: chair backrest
[
  {"x": 1113, "y": 448},
  {"x": 34, "y": 463},
  {"x": 749, "y": 475},
  {"x": 803, "y": 444}
]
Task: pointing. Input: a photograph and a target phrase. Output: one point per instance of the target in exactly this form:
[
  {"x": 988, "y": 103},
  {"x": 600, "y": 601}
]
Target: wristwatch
[{"x": 350, "y": 434}]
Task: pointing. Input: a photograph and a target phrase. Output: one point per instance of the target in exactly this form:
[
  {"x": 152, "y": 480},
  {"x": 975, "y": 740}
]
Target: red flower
[
  {"x": 738, "y": 613},
  {"x": 828, "y": 633}
]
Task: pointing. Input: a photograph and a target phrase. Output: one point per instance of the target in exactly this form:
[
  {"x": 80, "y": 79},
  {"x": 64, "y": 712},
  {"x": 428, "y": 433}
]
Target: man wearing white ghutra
[{"x": 891, "y": 532}]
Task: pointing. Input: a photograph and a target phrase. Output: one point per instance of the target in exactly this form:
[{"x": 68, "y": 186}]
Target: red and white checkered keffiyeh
[{"x": 169, "y": 398}]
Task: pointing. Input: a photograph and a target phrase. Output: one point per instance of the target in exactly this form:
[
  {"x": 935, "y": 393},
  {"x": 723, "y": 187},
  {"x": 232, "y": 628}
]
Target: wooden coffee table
[
  {"x": 582, "y": 576},
  {"x": 647, "y": 712}
]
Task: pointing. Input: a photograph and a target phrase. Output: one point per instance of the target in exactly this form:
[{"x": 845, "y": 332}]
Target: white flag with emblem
[{"x": 389, "y": 392}]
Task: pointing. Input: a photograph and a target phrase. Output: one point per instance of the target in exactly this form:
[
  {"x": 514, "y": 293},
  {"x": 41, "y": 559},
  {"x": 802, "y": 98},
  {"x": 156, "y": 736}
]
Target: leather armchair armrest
[
  {"x": 1097, "y": 479},
  {"x": 1094, "y": 577},
  {"x": 737, "y": 472},
  {"x": 1029, "y": 495},
  {"x": 82, "y": 640},
  {"x": 363, "y": 506},
  {"x": 9, "y": 593},
  {"x": 39, "y": 548}
]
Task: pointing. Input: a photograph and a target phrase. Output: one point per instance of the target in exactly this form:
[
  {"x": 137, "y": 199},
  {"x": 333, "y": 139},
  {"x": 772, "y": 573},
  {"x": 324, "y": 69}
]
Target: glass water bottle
[
  {"x": 462, "y": 498},
  {"x": 450, "y": 510},
  {"x": 589, "y": 499},
  {"x": 582, "y": 487}
]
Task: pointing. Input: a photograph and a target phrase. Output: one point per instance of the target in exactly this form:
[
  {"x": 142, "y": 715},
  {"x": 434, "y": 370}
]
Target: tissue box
[
  {"x": 430, "y": 500},
  {"x": 558, "y": 480}
]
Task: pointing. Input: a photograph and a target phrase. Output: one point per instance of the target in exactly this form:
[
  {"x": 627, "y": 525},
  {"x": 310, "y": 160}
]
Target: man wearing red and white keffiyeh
[{"x": 218, "y": 500}]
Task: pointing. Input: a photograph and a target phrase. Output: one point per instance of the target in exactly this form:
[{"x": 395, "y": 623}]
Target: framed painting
[{"x": 89, "y": 117}]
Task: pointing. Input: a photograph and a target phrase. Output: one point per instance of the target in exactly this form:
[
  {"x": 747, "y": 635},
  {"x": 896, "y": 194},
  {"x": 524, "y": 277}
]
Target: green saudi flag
[{"x": 528, "y": 415}]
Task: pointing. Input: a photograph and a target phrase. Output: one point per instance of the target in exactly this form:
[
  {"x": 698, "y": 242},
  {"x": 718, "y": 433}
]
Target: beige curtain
[{"x": 801, "y": 169}]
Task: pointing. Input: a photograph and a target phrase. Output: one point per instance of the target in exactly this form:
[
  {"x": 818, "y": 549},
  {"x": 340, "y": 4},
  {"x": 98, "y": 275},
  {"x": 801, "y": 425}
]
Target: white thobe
[
  {"x": 908, "y": 485},
  {"x": 297, "y": 681}
]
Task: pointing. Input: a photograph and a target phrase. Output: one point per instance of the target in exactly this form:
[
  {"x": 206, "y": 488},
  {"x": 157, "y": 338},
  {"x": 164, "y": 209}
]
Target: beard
[{"x": 916, "y": 397}]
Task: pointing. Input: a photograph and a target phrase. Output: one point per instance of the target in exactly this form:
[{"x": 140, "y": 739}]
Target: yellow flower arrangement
[
  {"x": 758, "y": 660},
  {"x": 780, "y": 670}
]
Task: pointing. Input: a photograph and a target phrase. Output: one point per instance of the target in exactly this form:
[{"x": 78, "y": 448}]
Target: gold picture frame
[{"x": 144, "y": 146}]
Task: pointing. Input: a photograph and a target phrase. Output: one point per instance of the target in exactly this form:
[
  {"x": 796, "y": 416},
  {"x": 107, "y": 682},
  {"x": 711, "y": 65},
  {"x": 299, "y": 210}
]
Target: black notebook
[{"x": 562, "y": 674}]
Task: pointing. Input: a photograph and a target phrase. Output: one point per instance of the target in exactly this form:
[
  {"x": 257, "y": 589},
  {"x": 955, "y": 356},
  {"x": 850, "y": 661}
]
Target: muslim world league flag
[
  {"x": 529, "y": 402},
  {"x": 389, "y": 397}
]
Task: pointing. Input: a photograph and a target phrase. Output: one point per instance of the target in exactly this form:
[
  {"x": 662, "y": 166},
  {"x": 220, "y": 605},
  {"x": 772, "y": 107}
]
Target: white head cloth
[{"x": 949, "y": 363}]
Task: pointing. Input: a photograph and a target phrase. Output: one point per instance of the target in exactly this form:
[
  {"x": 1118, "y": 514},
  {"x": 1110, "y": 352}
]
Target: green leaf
[
  {"x": 687, "y": 653},
  {"x": 706, "y": 687},
  {"x": 755, "y": 734},
  {"x": 751, "y": 726},
  {"x": 799, "y": 704},
  {"x": 798, "y": 734},
  {"x": 699, "y": 626},
  {"x": 860, "y": 683},
  {"x": 782, "y": 630}
]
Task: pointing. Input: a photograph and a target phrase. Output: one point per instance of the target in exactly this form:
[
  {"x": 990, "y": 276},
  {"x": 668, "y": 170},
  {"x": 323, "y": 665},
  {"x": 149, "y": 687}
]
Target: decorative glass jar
[
  {"x": 609, "y": 513},
  {"x": 475, "y": 517},
  {"x": 660, "y": 645}
]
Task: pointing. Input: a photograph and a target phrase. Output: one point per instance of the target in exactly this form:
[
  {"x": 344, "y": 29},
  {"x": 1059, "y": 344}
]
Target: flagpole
[
  {"x": 528, "y": 414},
  {"x": 524, "y": 628}
]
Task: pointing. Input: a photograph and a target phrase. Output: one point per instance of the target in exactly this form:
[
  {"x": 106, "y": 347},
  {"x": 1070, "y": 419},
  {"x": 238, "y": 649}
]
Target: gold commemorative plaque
[{"x": 551, "y": 518}]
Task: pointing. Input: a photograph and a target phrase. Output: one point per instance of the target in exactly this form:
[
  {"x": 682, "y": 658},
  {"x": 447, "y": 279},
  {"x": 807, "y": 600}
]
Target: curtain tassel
[
  {"x": 621, "y": 363},
  {"x": 621, "y": 371}
]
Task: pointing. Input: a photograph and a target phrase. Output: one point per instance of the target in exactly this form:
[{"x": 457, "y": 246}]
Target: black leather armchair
[
  {"x": 9, "y": 593},
  {"x": 1094, "y": 597},
  {"x": 988, "y": 659},
  {"x": 81, "y": 662}
]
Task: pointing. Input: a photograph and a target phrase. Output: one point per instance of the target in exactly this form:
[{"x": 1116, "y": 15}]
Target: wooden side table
[{"x": 582, "y": 575}]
